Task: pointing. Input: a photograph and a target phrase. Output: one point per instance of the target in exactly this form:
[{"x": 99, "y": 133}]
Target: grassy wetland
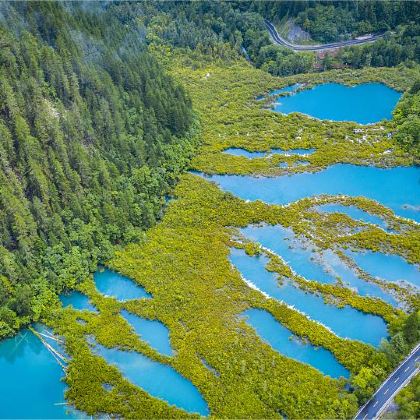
[{"x": 196, "y": 292}]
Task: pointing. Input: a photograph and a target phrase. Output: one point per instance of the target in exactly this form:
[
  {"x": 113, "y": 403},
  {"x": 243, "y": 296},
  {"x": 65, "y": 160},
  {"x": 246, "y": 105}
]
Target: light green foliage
[{"x": 183, "y": 262}]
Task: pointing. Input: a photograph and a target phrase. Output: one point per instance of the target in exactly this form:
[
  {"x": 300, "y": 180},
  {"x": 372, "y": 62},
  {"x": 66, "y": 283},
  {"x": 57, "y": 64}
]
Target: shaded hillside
[{"x": 92, "y": 136}]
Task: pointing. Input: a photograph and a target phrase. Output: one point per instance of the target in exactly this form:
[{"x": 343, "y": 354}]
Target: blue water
[
  {"x": 234, "y": 151},
  {"x": 118, "y": 286},
  {"x": 30, "y": 383},
  {"x": 387, "y": 267},
  {"x": 286, "y": 343},
  {"x": 290, "y": 88},
  {"x": 353, "y": 212},
  {"x": 159, "y": 380},
  {"x": 311, "y": 263},
  {"x": 153, "y": 332},
  {"x": 345, "y": 322},
  {"x": 397, "y": 188},
  {"x": 364, "y": 104},
  {"x": 78, "y": 301}
]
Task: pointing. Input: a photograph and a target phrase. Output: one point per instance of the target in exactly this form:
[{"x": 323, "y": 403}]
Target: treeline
[
  {"x": 395, "y": 349},
  {"x": 407, "y": 121},
  {"x": 92, "y": 136},
  {"x": 227, "y": 29},
  {"x": 338, "y": 20}
]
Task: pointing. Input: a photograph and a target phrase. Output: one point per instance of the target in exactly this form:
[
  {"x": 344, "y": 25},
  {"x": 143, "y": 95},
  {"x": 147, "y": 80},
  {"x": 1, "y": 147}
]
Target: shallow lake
[
  {"x": 31, "y": 385},
  {"x": 397, "y": 188},
  {"x": 364, "y": 104},
  {"x": 159, "y": 380},
  {"x": 311, "y": 263},
  {"x": 289, "y": 345},
  {"x": 78, "y": 301},
  {"x": 153, "y": 332},
  {"x": 235, "y": 151},
  {"x": 353, "y": 212},
  {"x": 346, "y": 322},
  {"x": 387, "y": 267},
  {"x": 116, "y": 285}
]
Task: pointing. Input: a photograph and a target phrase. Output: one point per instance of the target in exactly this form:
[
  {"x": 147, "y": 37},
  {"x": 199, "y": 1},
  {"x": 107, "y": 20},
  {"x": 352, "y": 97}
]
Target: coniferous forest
[
  {"x": 93, "y": 135},
  {"x": 120, "y": 121}
]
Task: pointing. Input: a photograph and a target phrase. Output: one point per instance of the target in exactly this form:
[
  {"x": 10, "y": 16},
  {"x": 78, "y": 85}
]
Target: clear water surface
[
  {"x": 153, "y": 332},
  {"x": 31, "y": 385},
  {"x": 387, "y": 267},
  {"x": 309, "y": 262},
  {"x": 118, "y": 286},
  {"x": 235, "y": 151},
  {"x": 159, "y": 380},
  {"x": 78, "y": 301},
  {"x": 346, "y": 322},
  {"x": 353, "y": 212},
  {"x": 289, "y": 345},
  {"x": 397, "y": 188},
  {"x": 364, "y": 104}
]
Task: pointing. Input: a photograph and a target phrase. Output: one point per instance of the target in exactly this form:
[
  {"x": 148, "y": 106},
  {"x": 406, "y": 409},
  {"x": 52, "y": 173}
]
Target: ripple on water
[
  {"x": 346, "y": 322},
  {"x": 289, "y": 345}
]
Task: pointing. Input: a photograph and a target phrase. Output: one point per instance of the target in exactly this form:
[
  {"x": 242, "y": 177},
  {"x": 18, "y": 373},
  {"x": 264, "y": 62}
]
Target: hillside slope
[{"x": 93, "y": 134}]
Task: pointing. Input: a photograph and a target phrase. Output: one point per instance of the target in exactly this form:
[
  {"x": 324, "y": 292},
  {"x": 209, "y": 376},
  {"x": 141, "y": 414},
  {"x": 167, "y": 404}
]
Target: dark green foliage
[
  {"x": 408, "y": 401},
  {"x": 407, "y": 121},
  {"x": 226, "y": 29},
  {"x": 411, "y": 329},
  {"x": 330, "y": 21},
  {"x": 92, "y": 136}
]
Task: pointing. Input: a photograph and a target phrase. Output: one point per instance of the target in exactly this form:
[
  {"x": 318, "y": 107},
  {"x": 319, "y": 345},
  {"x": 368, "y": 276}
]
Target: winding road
[
  {"x": 323, "y": 47},
  {"x": 386, "y": 392}
]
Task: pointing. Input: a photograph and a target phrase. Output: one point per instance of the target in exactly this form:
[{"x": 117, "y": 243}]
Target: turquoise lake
[
  {"x": 397, "y": 188},
  {"x": 353, "y": 212},
  {"x": 387, "y": 267},
  {"x": 78, "y": 301},
  {"x": 364, "y": 104},
  {"x": 159, "y": 380},
  {"x": 287, "y": 344},
  {"x": 153, "y": 332},
  {"x": 113, "y": 284},
  {"x": 235, "y": 151},
  {"x": 31, "y": 385},
  {"x": 345, "y": 322},
  {"x": 311, "y": 263}
]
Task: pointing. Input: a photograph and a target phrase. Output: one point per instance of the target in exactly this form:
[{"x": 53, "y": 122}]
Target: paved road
[
  {"x": 383, "y": 396},
  {"x": 324, "y": 47}
]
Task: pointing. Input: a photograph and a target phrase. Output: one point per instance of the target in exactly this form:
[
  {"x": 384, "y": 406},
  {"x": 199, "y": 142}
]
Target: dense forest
[
  {"x": 93, "y": 134},
  {"x": 407, "y": 121},
  {"x": 228, "y": 28}
]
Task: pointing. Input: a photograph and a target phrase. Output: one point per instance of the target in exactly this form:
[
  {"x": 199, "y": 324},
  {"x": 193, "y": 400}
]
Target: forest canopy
[{"x": 93, "y": 134}]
